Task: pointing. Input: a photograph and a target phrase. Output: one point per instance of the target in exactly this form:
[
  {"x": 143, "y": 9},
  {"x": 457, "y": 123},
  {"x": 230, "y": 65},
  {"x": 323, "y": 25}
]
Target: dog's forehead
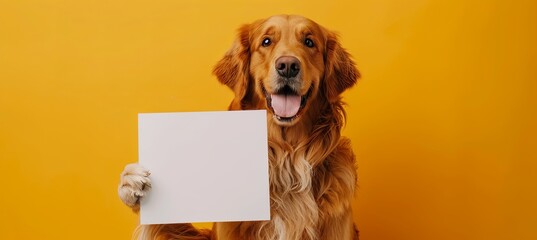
[{"x": 289, "y": 23}]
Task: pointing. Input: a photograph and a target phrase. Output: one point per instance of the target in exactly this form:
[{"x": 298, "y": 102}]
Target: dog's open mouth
[{"x": 286, "y": 103}]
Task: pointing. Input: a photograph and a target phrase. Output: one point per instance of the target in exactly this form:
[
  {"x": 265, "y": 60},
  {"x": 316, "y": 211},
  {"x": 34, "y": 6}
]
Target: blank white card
[{"x": 205, "y": 166}]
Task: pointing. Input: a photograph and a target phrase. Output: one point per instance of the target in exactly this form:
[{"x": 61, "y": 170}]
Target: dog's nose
[{"x": 288, "y": 66}]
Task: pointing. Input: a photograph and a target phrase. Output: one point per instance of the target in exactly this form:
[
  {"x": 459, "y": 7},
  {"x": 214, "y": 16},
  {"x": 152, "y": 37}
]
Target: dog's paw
[{"x": 133, "y": 185}]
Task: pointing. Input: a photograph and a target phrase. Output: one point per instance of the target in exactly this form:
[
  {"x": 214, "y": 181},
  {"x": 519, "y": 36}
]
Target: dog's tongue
[{"x": 285, "y": 105}]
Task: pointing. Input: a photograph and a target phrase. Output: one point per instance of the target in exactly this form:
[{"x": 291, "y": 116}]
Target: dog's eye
[
  {"x": 266, "y": 42},
  {"x": 309, "y": 43}
]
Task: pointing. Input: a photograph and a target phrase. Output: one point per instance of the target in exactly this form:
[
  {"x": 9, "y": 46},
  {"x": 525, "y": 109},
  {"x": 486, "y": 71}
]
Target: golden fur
[{"x": 312, "y": 168}]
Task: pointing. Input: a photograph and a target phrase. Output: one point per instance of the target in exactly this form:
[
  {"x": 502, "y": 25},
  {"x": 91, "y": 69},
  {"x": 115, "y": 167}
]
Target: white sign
[{"x": 205, "y": 166}]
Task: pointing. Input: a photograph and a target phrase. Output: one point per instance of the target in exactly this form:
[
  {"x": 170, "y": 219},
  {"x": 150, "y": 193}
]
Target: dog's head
[{"x": 285, "y": 64}]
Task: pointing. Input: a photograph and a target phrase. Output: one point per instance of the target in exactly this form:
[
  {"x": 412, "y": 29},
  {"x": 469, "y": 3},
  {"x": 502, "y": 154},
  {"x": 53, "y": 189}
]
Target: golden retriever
[{"x": 296, "y": 69}]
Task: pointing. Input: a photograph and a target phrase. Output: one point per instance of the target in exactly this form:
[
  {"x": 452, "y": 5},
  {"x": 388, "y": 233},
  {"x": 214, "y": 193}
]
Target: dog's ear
[
  {"x": 341, "y": 72},
  {"x": 233, "y": 69}
]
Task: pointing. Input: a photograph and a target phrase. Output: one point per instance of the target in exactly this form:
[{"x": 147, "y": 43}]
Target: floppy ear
[
  {"x": 233, "y": 70},
  {"x": 341, "y": 72}
]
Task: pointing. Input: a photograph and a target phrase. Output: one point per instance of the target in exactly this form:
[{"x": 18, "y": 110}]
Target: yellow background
[{"x": 443, "y": 121}]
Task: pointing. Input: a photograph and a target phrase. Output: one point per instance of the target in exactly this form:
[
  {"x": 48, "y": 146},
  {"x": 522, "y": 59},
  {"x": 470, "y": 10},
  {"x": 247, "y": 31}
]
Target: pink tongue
[{"x": 285, "y": 105}]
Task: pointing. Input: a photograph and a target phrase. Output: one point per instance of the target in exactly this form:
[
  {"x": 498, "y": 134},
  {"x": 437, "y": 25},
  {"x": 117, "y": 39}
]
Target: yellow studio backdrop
[{"x": 443, "y": 121}]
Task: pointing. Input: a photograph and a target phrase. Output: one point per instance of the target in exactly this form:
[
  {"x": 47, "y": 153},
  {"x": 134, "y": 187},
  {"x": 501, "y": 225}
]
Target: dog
[{"x": 296, "y": 70}]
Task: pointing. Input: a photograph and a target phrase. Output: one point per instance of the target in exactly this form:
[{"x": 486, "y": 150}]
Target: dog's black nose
[{"x": 287, "y": 66}]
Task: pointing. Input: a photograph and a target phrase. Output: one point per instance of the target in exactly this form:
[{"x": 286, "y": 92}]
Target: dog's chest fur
[{"x": 293, "y": 205}]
